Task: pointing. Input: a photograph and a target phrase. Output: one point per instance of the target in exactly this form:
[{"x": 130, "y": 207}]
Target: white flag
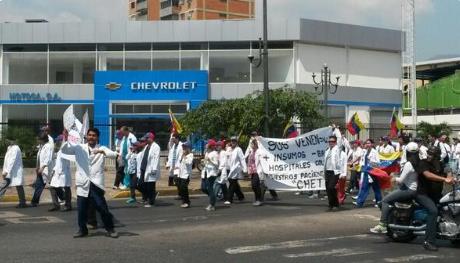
[
  {"x": 85, "y": 127},
  {"x": 69, "y": 118}
]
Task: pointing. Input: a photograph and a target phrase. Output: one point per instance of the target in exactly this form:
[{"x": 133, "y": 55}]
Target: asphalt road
[{"x": 294, "y": 229}]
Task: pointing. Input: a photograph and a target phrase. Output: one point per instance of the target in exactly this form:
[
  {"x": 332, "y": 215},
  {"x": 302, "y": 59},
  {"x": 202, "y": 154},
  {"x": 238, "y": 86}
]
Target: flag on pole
[
  {"x": 355, "y": 125},
  {"x": 290, "y": 131},
  {"x": 176, "y": 127},
  {"x": 395, "y": 125}
]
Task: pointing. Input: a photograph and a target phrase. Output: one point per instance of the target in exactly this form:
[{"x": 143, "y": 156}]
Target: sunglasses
[{"x": 332, "y": 141}]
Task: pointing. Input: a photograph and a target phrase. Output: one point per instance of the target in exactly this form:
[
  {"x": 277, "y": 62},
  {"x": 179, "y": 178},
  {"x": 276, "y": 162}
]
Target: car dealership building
[{"x": 130, "y": 73}]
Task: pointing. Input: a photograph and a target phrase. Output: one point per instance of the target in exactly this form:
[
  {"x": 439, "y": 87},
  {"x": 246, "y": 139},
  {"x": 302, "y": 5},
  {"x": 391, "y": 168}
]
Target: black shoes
[
  {"x": 66, "y": 209},
  {"x": 430, "y": 246},
  {"x": 80, "y": 234},
  {"x": 22, "y": 206},
  {"x": 54, "y": 209}
]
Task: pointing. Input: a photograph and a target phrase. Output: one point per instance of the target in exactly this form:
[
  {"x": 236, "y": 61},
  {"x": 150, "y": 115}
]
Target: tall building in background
[{"x": 190, "y": 9}]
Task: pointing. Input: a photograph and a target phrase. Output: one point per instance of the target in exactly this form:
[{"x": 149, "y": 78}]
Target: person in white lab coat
[
  {"x": 89, "y": 180},
  {"x": 174, "y": 157},
  {"x": 212, "y": 171},
  {"x": 220, "y": 185},
  {"x": 61, "y": 180},
  {"x": 125, "y": 144},
  {"x": 237, "y": 168},
  {"x": 335, "y": 161},
  {"x": 12, "y": 172},
  {"x": 150, "y": 169},
  {"x": 44, "y": 167},
  {"x": 185, "y": 171}
]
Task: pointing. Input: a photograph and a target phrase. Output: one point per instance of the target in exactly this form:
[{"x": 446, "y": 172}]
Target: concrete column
[
  {"x": 102, "y": 58},
  {"x": 204, "y": 60},
  {"x": 5, "y": 72}
]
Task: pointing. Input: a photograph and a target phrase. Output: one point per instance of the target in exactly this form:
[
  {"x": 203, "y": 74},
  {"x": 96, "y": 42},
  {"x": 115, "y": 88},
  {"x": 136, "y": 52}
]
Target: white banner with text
[{"x": 295, "y": 164}]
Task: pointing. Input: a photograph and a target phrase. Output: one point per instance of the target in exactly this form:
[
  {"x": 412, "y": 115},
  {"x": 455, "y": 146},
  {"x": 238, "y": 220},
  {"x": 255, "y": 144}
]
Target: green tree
[
  {"x": 241, "y": 116},
  {"x": 424, "y": 129}
]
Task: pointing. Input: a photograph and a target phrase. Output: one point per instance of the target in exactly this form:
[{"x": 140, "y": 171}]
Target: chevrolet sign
[{"x": 112, "y": 86}]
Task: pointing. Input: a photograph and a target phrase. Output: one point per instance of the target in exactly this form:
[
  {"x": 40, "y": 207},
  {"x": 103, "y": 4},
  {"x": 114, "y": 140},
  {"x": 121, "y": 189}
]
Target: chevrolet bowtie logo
[{"x": 112, "y": 86}]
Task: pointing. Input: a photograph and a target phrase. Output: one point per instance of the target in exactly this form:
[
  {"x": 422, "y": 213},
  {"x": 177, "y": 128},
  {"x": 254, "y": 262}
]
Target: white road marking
[
  {"x": 7, "y": 214},
  {"x": 411, "y": 258},
  {"x": 287, "y": 244},
  {"x": 281, "y": 245},
  {"x": 341, "y": 252},
  {"x": 35, "y": 220}
]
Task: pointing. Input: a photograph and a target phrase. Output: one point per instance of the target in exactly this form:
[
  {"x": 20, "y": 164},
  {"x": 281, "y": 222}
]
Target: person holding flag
[{"x": 395, "y": 126}]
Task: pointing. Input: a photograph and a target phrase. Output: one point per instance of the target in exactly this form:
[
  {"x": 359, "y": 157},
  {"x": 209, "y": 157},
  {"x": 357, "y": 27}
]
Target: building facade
[
  {"x": 142, "y": 10},
  {"x": 46, "y": 67}
]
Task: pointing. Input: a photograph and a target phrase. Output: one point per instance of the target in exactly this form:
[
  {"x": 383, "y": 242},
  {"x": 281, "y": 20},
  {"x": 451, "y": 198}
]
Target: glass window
[
  {"x": 138, "y": 46},
  {"x": 25, "y": 68},
  {"x": 165, "y": 60},
  {"x": 229, "y": 66},
  {"x": 191, "y": 60},
  {"x": 165, "y": 46},
  {"x": 110, "y": 60},
  {"x": 229, "y": 45},
  {"x": 72, "y": 67},
  {"x": 194, "y": 46},
  {"x": 110, "y": 47},
  {"x": 280, "y": 68},
  {"x": 138, "y": 60},
  {"x": 72, "y": 47},
  {"x": 25, "y": 48}
]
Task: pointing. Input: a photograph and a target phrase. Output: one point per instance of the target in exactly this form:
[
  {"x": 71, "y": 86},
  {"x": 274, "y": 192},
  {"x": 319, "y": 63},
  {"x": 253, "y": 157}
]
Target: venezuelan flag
[
  {"x": 389, "y": 163},
  {"x": 176, "y": 127},
  {"x": 355, "y": 125},
  {"x": 395, "y": 125},
  {"x": 290, "y": 131}
]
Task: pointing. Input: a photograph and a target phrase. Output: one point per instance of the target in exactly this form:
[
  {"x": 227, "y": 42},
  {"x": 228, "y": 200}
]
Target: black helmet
[{"x": 434, "y": 151}]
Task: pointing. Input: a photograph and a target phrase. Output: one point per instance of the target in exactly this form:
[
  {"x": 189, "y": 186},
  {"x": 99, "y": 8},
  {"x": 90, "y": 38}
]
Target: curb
[
  {"x": 165, "y": 192},
  {"x": 13, "y": 198}
]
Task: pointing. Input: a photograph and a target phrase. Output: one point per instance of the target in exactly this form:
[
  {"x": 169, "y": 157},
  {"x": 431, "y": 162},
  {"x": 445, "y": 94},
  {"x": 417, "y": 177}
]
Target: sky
[{"x": 437, "y": 23}]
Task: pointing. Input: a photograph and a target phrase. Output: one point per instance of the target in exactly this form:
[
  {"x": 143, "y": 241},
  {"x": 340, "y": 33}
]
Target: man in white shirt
[
  {"x": 44, "y": 167},
  {"x": 174, "y": 157},
  {"x": 354, "y": 159},
  {"x": 386, "y": 148},
  {"x": 150, "y": 169},
  {"x": 89, "y": 180},
  {"x": 334, "y": 167},
  {"x": 12, "y": 171},
  {"x": 237, "y": 168},
  {"x": 422, "y": 148},
  {"x": 126, "y": 143},
  {"x": 185, "y": 172}
]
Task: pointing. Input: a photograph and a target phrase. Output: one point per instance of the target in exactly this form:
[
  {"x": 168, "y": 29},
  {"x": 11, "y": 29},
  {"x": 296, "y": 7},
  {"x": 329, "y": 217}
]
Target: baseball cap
[
  {"x": 212, "y": 143},
  {"x": 149, "y": 135}
]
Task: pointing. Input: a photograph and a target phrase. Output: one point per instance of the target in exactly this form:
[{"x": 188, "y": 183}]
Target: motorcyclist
[{"x": 429, "y": 192}]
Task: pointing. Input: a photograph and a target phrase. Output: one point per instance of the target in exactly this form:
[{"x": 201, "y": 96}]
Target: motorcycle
[{"x": 407, "y": 220}]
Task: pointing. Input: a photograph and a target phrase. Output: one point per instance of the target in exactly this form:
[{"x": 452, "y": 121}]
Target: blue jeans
[
  {"x": 210, "y": 188},
  {"x": 221, "y": 187},
  {"x": 364, "y": 190},
  {"x": 39, "y": 185},
  {"x": 97, "y": 199},
  {"x": 428, "y": 203}
]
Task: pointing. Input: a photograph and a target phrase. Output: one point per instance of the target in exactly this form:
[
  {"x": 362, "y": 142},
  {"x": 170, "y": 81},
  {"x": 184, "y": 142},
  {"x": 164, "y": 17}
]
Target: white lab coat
[
  {"x": 90, "y": 166},
  {"x": 337, "y": 161},
  {"x": 152, "y": 170},
  {"x": 61, "y": 172},
  {"x": 386, "y": 149},
  {"x": 12, "y": 165},
  {"x": 45, "y": 158},
  {"x": 212, "y": 164},
  {"x": 174, "y": 170},
  {"x": 185, "y": 166},
  {"x": 260, "y": 172},
  {"x": 139, "y": 157},
  {"x": 223, "y": 157},
  {"x": 237, "y": 164}
]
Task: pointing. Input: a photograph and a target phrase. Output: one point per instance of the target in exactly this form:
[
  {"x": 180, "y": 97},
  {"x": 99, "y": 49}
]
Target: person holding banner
[
  {"x": 237, "y": 168},
  {"x": 334, "y": 168},
  {"x": 13, "y": 171},
  {"x": 89, "y": 180}
]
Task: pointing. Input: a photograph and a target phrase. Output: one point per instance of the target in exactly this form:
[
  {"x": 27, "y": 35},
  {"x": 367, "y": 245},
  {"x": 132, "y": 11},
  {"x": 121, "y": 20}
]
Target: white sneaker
[
  {"x": 355, "y": 203},
  {"x": 354, "y": 197},
  {"x": 257, "y": 203},
  {"x": 313, "y": 196},
  {"x": 379, "y": 229},
  {"x": 123, "y": 187},
  {"x": 227, "y": 203},
  {"x": 185, "y": 205},
  {"x": 210, "y": 208},
  {"x": 147, "y": 205}
]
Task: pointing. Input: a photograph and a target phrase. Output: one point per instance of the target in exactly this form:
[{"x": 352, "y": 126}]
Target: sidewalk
[{"x": 161, "y": 186}]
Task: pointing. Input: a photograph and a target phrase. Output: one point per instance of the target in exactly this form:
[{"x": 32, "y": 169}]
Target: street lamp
[
  {"x": 263, "y": 60},
  {"x": 326, "y": 86}
]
